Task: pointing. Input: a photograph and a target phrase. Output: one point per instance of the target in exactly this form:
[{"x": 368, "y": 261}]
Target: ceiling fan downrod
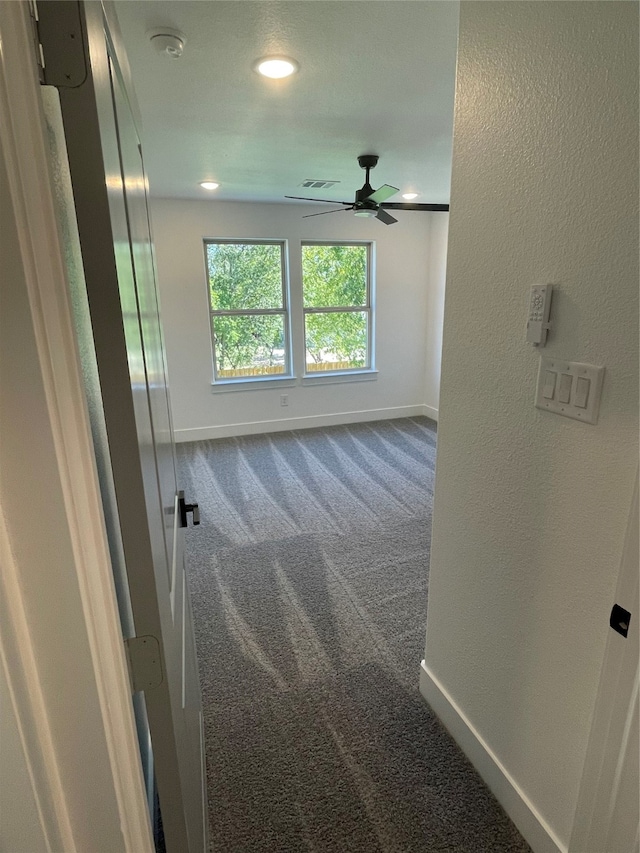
[{"x": 365, "y": 207}]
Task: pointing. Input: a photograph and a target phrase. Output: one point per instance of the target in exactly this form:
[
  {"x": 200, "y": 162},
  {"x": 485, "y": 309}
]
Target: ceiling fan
[{"x": 370, "y": 202}]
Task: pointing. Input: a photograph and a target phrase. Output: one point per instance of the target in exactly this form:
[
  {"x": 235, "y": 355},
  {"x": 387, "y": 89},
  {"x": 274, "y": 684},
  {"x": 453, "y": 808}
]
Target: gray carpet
[{"x": 309, "y": 586}]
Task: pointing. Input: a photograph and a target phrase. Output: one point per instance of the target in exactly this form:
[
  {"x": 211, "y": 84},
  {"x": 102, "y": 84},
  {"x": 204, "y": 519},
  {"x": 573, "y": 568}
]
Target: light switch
[
  {"x": 564, "y": 389},
  {"x": 570, "y": 388},
  {"x": 581, "y": 397},
  {"x": 549, "y": 384}
]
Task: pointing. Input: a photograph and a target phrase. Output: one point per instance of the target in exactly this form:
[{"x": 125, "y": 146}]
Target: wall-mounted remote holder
[
  {"x": 539, "y": 309},
  {"x": 570, "y": 389}
]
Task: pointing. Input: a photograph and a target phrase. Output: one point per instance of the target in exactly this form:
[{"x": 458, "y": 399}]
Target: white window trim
[
  {"x": 294, "y": 313},
  {"x": 337, "y": 377},
  {"x": 291, "y": 381},
  {"x": 251, "y": 384}
]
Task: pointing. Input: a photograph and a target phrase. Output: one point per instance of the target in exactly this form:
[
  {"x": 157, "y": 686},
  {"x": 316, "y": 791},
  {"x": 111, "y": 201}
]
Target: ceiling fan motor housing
[
  {"x": 368, "y": 161},
  {"x": 363, "y": 195}
]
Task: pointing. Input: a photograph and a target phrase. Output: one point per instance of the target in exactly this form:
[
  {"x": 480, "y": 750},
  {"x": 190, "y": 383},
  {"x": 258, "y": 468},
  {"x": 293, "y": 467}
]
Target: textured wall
[
  {"x": 531, "y": 508},
  {"x": 408, "y": 310},
  {"x": 438, "y": 235}
]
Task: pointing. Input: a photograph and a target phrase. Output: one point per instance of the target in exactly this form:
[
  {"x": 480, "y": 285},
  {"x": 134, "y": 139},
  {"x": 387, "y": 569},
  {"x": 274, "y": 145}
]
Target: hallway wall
[
  {"x": 531, "y": 508},
  {"x": 410, "y": 269}
]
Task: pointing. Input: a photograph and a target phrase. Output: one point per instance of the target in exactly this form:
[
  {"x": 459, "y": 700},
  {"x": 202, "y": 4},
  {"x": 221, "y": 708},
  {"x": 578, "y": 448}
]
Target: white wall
[
  {"x": 530, "y": 507},
  {"x": 409, "y": 293}
]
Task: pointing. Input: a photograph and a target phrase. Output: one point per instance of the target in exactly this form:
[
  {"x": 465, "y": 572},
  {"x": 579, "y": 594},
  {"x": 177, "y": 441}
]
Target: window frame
[
  {"x": 285, "y": 312},
  {"x": 368, "y": 308}
]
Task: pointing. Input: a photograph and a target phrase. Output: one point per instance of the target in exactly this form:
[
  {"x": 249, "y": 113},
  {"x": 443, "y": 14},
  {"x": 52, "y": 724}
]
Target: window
[
  {"x": 336, "y": 286},
  {"x": 248, "y": 306}
]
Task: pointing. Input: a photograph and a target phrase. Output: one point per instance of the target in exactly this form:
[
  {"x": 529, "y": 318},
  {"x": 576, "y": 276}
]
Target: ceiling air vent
[{"x": 312, "y": 184}]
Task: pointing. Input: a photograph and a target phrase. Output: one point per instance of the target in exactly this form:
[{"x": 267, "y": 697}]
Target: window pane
[
  {"x": 334, "y": 276},
  {"x": 336, "y": 340},
  {"x": 249, "y": 345},
  {"x": 244, "y": 276}
]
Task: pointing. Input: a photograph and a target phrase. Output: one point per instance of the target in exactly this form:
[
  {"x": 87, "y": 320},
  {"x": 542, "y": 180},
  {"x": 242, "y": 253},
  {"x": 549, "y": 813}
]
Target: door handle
[{"x": 184, "y": 508}]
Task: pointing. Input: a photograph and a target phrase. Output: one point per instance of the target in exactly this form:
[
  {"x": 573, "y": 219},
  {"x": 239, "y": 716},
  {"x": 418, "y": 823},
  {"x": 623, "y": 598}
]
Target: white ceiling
[{"x": 376, "y": 76}]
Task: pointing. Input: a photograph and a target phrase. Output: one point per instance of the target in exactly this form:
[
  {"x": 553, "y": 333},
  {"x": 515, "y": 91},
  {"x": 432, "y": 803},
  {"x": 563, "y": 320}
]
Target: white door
[
  {"x": 109, "y": 186},
  {"x": 608, "y": 812}
]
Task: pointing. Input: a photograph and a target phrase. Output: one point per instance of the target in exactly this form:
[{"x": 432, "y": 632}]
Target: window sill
[
  {"x": 263, "y": 383},
  {"x": 333, "y": 378},
  {"x": 290, "y": 381}
]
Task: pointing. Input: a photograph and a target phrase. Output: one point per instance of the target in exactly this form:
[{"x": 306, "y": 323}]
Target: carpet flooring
[{"x": 309, "y": 586}]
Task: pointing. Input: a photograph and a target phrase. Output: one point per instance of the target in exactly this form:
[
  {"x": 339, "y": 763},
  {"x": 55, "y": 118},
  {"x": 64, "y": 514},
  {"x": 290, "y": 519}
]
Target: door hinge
[
  {"x": 35, "y": 37},
  {"x": 145, "y": 662},
  {"x": 60, "y": 43}
]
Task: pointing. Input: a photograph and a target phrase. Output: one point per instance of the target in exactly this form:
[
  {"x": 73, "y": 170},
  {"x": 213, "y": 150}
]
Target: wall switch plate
[
  {"x": 284, "y": 399},
  {"x": 570, "y": 388}
]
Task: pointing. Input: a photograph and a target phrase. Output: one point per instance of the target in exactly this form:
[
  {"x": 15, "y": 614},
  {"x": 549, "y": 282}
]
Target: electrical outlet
[{"x": 284, "y": 399}]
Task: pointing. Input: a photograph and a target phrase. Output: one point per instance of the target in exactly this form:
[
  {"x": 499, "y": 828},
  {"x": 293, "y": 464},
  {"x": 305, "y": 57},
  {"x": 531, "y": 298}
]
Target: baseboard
[
  {"x": 511, "y": 797},
  {"x": 430, "y": 412},
  {"x": 307, "y": 422}
]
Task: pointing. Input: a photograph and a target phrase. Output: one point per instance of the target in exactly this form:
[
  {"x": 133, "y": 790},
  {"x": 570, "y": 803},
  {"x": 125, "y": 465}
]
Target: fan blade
[
  {"x": 392, "y": 205},
  {"x": 382, "y": 194},
  {"x": 337, "y": 210},
  {"x": 328, "y": 200},
  {"x": 385, "y": 217}
]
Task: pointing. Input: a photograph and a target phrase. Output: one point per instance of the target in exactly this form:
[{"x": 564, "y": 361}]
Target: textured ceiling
[{"x": 376, "y": 76}]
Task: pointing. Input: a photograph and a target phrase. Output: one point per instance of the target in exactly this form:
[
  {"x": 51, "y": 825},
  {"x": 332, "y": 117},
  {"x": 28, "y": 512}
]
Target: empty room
[
  {"x": 303, "y": 346},
  {"x": 321, "y": 318}
]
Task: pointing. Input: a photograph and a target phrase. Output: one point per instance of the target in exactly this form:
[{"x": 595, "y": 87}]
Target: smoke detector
[{"x": 167, "y": 41}]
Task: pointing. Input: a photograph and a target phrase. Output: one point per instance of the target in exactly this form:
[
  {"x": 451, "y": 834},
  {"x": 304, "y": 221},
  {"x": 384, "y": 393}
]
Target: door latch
[
  {"x": 184, "y": 508},
  {"x": 619, "y": 620}
]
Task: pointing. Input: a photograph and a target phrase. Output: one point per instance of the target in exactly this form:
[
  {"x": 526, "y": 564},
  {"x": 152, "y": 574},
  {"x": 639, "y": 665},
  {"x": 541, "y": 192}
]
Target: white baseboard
[
  {"x": 533, "y": 827},
  {"x": 430, "y": 412},
  {"x": 284, "y": 424}
]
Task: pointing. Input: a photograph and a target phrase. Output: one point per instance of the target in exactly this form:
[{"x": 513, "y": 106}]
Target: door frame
[{"x": 59, "y": 758}]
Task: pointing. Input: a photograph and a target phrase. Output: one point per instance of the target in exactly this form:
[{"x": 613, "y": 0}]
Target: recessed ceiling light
[
  {"x": 209, "y": 185},
  {"x": 276, "y": 67},
  {"x": 409, "y": 196}
]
